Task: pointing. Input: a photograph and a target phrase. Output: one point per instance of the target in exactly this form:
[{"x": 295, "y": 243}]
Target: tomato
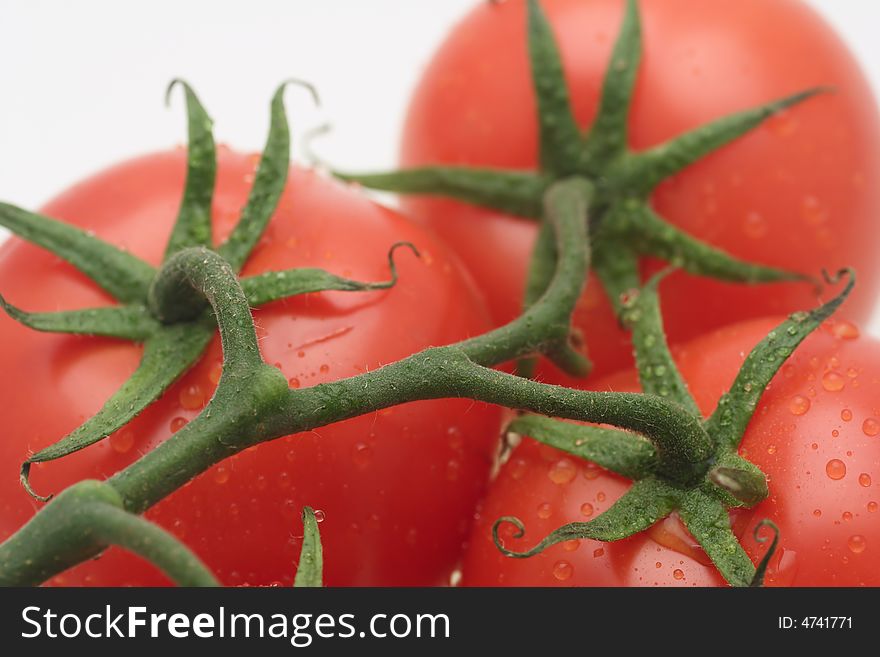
[
  {"x": 815, "y": 434},
  {"x": 396, "y": 488},
  {"x": 803, "y": 179}
]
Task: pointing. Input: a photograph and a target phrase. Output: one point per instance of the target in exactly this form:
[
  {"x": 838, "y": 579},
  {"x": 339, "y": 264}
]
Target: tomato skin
[
  {"x": 802, "y": 180},
  {"x": 397, "y": 488},
  {"x": 819, "y": 412}
]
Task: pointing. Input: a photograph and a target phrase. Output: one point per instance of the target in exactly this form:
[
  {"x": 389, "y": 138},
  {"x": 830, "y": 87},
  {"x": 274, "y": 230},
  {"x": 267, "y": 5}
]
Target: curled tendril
[
  {"x": 392, "y": 266},
  {"x": 309, "y": 136},
  {"x": 761, "y": 570},
  {"x": 565, "y": 533}
]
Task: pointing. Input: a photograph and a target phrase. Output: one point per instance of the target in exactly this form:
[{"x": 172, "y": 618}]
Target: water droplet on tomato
[
  {"x": 293, "y": 382},
  {"x": 587, "y": 509},
  {"x": 835, "y": 469},
  {"x": 191, "y": 397},
  {"x": 215, "y": 373},
  {"x": 453, "y": 469},
  {"x": 846, "y": 415},
  {"x": 871, "y": 427},
  {"x": 122, "y": 441},
  {"x": 833, "y": 381},
  {"x": 600, "y": 496},
  {"x": 678, "y": 574},
  {"x": 658, "y": 565},
  {"x": 591, "y": 471},
  {"x": 817, "y": 513},
  {"x": 571, "y": 546},
  {"x": 799, "y": 405},
  {"x": 562, "y": 472},
  {"x": 221, "y": 474},
  {"x": 872, "y": 507},
  {"x": 847, "y": 516},
  {"x": 754, "y": 226},
  {"x": 361, "y": 454},
  {"x": 324, "y": 369},
  {"x": 178, "y": 423},
  {"x": 518, "y": 468},
  {"x": 845, "y": 330},
  {"x": 319, "y": 515},
  {"x": 562, "y": 570},
  {"x": 544, "y": 510},
  {"x": 598, "y": 552},
  {"x": 857, "y": 544},
  {"x": 865, "y": 479}
]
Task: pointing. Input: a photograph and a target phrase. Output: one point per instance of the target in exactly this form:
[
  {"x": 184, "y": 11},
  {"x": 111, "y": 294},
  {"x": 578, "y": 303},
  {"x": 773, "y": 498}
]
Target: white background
[{"x": 83, "y": 81}]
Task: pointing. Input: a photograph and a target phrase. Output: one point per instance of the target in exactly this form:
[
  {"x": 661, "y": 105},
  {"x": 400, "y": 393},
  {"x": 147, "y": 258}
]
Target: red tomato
[
  {"x": 815, "y": 434},
  {"x": 396, "y": 488},
  {"x": 804, "y": 179}
]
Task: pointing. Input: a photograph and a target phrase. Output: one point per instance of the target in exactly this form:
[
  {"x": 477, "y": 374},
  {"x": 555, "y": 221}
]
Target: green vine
[{"x": 591, "y": 197}]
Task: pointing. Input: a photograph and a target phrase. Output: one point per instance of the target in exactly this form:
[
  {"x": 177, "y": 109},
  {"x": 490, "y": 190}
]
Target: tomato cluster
[{"x": 403, "y": 494}]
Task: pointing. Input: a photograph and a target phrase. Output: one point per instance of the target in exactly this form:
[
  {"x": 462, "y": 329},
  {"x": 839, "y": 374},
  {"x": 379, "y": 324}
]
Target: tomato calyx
[
  {"x": 174, "y": 323},
  {"x": 624, "y": 226},
  {"x": 699, "y": 476}
]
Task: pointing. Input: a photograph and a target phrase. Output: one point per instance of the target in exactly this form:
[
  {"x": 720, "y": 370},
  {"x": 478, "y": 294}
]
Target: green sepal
[
  {"x": 167, "y": 355},
  {"x": 708, "y": 521},
  {"x": 515, "y": 192},
  {"x": 193, "y": 225},
  {"x": 273, "y": 286},
  {"x": 608, "y": 136},
  {"x": 132, "y": 322},
  {"x": 658, "y": 373},
  {"x": 621, "y": 452},
  {"x": 649, "y": 168},
  {"x": 728, "y": 423},
  {"x": 559, "y": 135},
  {"x": 269, "y": 183},
  {"x": 310, "y": 571},
  {"x": 645, "y": 503},
  {"x": 124, "y": 276}
]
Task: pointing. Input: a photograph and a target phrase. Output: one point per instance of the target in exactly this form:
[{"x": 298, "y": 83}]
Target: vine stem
[{"x": 253, "y": 402}]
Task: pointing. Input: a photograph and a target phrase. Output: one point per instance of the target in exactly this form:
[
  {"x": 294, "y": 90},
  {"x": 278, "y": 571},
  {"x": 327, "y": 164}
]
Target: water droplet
[
  {"x": 833, "y": 381},
  {"x": 324, "y": 369},
  {"x": 845, "y": 330},
  {"x": 857, "y": 544},
  {"x": 191, "y": 397},
  {"x": 872, "y": 507},
  {"x": 544, "y": 510},
  {"x": 835, "y": 469},
  {"x": 835, "y": 433},
  {"x": 562, "y": 570},
  {"x": 178, "y": 423},
  {"x": 591, "y": 471},
  {"x": 122, "y": 441},
  {"x": 754, "y": 226},
  {"x": 846, "y": 415},
  {"x": 587, "y": 509},
  {"x": 817, "y": 512},
  {"x": 518, "y": 468},
  {"x": 221, "y": 474},
  {"x": 658, "y": 565},
  {"x": 847, "y": 516},
  {"x": 678, "y": 574},
  {"x": 598, "y": 552},
  {"x": 319, "y": 515},
  {"x": 600, "y": 496},
  {"x": 871, "y": 427},
  {"x": 865, "y": 479},
  {"x": 215, "y": 373},
  {"x": 293, "y": 382},
  {"x": 771, "y": 449},
  {"x": 799, "y": 405},
  {"x": 562, "y": 472},
  {"x": 571, "y": 546},
  {"x": 361, "y": 454},
  {"x": 453, "y": 469}
]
